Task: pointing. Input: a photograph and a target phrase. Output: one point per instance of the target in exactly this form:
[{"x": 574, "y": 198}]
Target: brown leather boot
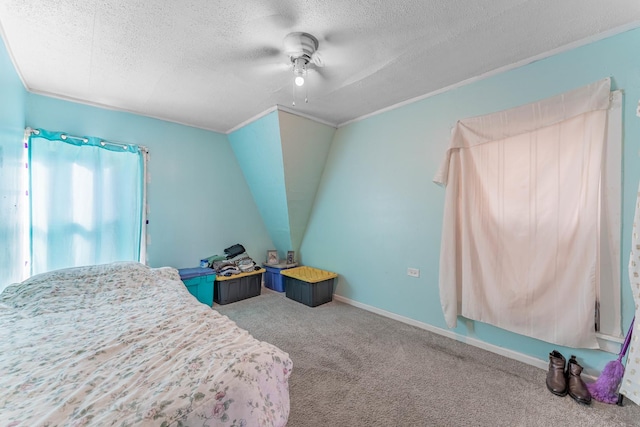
[
  {"x": 577, "y": 388},
  {"x": 556, "y": 379}
]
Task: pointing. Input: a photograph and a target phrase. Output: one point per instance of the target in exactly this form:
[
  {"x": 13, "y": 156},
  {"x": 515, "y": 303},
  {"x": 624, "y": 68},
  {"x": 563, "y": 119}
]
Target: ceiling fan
[
  {"x": 302, "y": 50},
  {"x": 305, "y": 54}
]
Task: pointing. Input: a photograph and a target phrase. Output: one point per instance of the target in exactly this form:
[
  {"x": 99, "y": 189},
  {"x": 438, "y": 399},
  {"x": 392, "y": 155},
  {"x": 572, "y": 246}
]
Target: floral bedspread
[{"x": 127, "y": 345}]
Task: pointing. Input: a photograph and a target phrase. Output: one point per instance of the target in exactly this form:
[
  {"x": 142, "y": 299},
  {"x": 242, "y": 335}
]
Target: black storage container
[
  {"x": 237, "y": 287},
  {"x": 309, "y": 286}
]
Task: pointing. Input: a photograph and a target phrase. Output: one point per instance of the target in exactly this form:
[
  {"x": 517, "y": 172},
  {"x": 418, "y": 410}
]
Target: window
[{"x": 86, "y": 201}]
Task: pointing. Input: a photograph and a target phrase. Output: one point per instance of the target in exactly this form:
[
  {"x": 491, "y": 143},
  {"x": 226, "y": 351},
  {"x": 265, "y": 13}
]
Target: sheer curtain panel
[
  {"x": 86, "y": 201},
  {"x": 14, "y": 208},
  {"x": 630, "y": 386},
  {"x": 521, "y": 229}
]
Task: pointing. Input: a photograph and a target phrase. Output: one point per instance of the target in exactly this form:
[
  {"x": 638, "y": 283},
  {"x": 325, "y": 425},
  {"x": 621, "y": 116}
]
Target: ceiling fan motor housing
[{"x": 300, "y": 45}]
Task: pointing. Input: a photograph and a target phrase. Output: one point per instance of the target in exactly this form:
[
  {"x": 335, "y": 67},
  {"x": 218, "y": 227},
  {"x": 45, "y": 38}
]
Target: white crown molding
[
  {"x": 252, "y": 119},
  {"x": 500, "y": 70},
  {"x": 483, "y": 76},
  {"x": 279, "y": 108},
  {"x": 306, "y": 116},
  {"x": 3, "y": 37}
]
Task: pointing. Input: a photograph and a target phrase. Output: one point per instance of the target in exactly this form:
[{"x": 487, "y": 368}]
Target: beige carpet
[{"x": 356, "y": 368}]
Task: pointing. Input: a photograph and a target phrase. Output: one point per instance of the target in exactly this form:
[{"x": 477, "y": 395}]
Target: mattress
[{"x": 125, "y": 344}]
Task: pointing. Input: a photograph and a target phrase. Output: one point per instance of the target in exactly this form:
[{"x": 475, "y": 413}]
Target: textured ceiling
[{"x": 216, "y": 64}]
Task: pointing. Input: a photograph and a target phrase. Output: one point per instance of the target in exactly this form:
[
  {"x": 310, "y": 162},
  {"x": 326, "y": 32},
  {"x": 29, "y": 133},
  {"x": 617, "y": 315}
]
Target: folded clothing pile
[
  {"x": 241, "y": 263},
  {"x": 246, "y": 264},
  {"x": 225, "y": 268}
]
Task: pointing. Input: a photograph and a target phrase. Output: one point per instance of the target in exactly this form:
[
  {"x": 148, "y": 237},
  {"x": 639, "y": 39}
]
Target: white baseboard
[
  {"x": 529, "y": 360},
  {"x": 511, "y": 354}
]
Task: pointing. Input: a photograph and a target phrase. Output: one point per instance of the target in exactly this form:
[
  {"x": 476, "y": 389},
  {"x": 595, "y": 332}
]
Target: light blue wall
[
  {"x": 377, "y": 211},
  {"x": 12, "y": 196},
  {"x": 258, "y": 149},
  {"x": 199, "y": 203}
]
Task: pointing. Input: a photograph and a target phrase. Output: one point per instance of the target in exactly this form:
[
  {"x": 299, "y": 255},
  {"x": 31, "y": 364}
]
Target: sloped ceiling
[
  {"x": 217, "y": 64},
  {"x": 282, "y": 157}
]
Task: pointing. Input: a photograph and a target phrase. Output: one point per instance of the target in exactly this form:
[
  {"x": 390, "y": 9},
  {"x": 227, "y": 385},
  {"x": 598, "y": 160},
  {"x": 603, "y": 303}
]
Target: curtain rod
[{"x": 85, "y": 140}]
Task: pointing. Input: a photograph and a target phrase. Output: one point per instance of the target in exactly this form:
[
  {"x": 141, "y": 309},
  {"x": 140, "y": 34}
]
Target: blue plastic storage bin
[
  {"x": 199, "y": 282},
  {"x": 272, "y": 277}
]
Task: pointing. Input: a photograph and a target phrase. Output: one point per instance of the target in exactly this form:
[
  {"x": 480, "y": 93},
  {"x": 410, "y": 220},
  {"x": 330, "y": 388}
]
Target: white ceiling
[{"x": 217, "y": 64}]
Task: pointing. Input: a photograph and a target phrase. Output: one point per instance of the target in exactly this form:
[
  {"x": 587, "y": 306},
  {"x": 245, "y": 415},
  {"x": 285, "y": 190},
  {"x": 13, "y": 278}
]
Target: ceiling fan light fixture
[
  {"x": 300, "y": 48},
  {"x": 299, "y": 70}
]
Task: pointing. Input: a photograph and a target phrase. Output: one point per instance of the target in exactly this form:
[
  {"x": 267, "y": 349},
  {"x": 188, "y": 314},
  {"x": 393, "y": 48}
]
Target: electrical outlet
[
  {"x": 638, "y": 109},
  {"x": 413, "y": 272}
]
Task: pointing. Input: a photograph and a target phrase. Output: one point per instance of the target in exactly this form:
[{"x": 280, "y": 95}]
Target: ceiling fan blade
[
  {"x": 264, "y": 52},
  {"x": 339, "y": 37},
  {"x": 273, "y": 67},
  {"x": 267, "y": 22},
  {"x": 258, "y": 54},
  {"x": 317, "y": 60},
  {"x": 273, "y": 15},
  {"x": 279, "y": 21},
  {"x": 323, "y": 73}
]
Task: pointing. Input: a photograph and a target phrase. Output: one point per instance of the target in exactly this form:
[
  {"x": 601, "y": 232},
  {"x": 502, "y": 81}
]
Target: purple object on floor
[{"x": 605, "y": 389}]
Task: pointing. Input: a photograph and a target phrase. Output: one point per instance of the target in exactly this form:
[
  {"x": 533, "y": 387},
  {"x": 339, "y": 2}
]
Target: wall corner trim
[
  {"x": 306, "y": 116},
  {"x": 252, "y": 119}
]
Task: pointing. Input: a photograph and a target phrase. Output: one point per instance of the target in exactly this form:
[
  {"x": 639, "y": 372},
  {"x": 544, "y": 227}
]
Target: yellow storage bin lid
[
  {"x": 222, "y": 278},
  {"x": 308, "y": 274}
]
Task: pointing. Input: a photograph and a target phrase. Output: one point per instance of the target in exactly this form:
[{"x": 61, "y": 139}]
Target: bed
[{"x": 124, "y": 344}]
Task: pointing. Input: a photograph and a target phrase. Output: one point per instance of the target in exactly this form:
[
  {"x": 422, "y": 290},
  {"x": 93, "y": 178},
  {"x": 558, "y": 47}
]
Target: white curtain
[
  {"x": 87, "y": 199},
  {"x": 520, "y": 243}
]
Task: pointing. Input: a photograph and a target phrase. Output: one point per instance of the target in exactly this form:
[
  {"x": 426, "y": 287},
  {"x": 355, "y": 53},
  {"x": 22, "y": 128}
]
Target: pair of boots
[{"x": 561, "y": 381}]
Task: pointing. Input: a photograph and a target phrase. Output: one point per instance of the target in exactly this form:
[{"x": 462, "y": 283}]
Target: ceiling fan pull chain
[{"x": 293, "y": 92}]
